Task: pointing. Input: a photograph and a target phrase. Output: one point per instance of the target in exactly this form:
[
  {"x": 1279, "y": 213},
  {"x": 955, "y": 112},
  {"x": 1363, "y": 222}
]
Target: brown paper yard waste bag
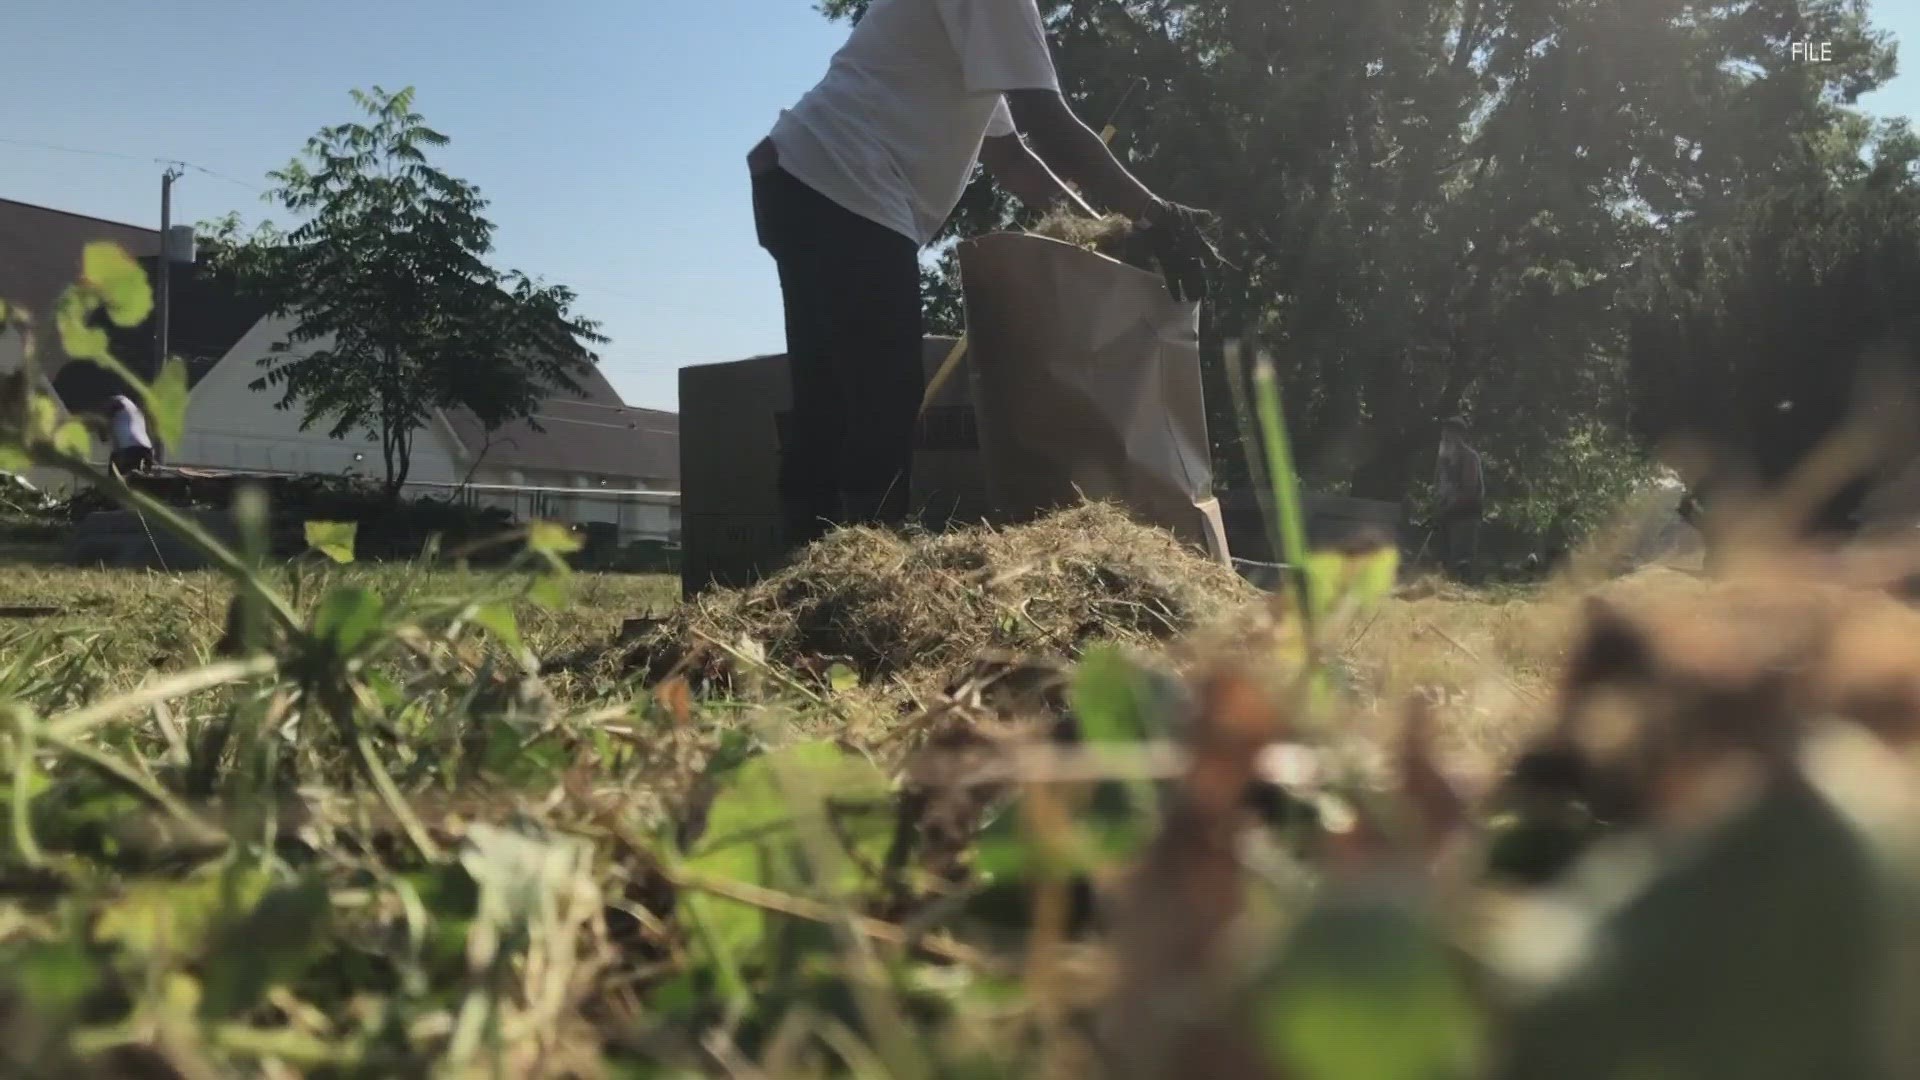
[{"x": 1086, "y": 379}]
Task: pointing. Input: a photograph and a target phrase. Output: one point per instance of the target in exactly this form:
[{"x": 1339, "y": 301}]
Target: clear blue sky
[{"x": 609, "y": 134}]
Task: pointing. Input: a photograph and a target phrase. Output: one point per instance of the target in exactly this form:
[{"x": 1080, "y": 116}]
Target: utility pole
[{"x": 165, "y": 267}]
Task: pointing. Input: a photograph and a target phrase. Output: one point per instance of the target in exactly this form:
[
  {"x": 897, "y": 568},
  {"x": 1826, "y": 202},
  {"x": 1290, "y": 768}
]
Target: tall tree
[
  {"x": 1435, "y": 206},
  {"x": 398, "y": 312},
  {"x": 1759, "y": 336}
]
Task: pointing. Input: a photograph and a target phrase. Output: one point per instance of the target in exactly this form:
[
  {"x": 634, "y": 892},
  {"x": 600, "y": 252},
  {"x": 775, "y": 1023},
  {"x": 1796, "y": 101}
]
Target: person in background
[
  {"x": 1461, "y": 490},
  {"x": 861, "y": 174},
  {"x": 132, "y": 448}
]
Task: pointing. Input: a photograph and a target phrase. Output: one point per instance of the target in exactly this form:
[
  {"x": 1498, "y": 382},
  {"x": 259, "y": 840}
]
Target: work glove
[{"x": 1177, "y": 242}]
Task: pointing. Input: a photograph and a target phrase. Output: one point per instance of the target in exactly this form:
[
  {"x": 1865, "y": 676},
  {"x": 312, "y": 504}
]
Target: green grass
[
  {"x": 376, "y": 842},
  {"x": 391, "y": 855},
  {"x": 139, "y": 621}
]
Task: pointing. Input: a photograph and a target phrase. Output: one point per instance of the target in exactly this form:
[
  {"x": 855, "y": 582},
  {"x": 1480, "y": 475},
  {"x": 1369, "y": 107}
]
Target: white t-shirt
[
  {"x": 893, "y": 131},
  {"x": 129, "y": 425}
]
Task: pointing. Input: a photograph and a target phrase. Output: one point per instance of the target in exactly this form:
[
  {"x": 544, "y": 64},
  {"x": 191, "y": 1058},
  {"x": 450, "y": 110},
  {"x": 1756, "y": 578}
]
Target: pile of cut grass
[{"x": 919, "y": 609}]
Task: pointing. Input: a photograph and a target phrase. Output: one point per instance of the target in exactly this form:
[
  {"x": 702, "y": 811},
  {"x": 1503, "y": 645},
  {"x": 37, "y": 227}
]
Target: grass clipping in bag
[{"x": 1111, "y": 235}]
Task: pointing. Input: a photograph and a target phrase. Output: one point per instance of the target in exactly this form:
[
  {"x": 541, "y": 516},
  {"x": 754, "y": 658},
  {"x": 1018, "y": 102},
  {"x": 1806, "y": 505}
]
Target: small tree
[{"x": 398, "y": 312}]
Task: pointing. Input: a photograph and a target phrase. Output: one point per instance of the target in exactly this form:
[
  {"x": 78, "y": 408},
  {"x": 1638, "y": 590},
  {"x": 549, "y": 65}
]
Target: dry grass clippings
[{"x": 921, "y": 609}]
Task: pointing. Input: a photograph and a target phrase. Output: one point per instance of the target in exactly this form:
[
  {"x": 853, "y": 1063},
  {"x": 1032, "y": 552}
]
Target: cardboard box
[{"x": 732, "y": 422}]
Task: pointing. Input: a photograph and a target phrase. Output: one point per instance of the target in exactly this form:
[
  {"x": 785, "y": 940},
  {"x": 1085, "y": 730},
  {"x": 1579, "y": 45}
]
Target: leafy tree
[
  {"x": 1437, "y": 206},
  {"x": 398, "y": 312},
  {"x": 1760, "y": 336}
]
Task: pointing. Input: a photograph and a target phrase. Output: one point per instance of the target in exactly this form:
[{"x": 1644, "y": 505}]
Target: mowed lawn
[
  {"x": 1485, "y": 660},
  {"x": 137, "y": 621}
]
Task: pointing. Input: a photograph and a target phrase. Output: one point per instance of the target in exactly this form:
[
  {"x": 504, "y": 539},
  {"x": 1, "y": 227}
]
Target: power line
[
  {"x": 35, "y": 144},
  {"x": 220, "y": 176}
]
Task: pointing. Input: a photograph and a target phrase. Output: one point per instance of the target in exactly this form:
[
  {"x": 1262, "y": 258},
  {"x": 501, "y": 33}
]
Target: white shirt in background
[
  {"x": 893, "y": 131},
  {"x": 129, "y": 425}
]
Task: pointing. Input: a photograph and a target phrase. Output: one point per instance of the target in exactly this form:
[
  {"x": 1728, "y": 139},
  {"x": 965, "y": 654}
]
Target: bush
[
  {"x": 1569, "y": 489},
  {"x": 385, "y": 527}
]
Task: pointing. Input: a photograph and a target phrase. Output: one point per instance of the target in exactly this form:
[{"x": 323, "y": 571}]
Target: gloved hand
[{"x": 1174, "y": 235}]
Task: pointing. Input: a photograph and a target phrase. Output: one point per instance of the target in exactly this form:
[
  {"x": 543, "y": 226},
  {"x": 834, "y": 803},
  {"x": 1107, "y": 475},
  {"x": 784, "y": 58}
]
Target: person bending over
[
  {"x": 132, "y": 448},
  {"x": 861, "y": 174}
]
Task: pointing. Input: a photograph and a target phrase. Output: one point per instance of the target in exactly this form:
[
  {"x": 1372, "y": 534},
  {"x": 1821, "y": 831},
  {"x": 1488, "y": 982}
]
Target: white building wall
[{"x": 232, "y": 426}]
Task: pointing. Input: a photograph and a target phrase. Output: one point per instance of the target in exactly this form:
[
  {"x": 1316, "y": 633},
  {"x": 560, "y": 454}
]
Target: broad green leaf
[
  {"x": 13, "y": 459},
  {"x": 81, "y": 340},
  {"x": 1002, "y": 851},
  {"x": 1113, "y": 702},
  {"x": 1369, "y": 993},
  {"x": 1100, "y": 841},
  {"x": 506, "y": 755},
  {"x": 1761, "y": 950},
  {"x": 1334, "y": 579},
  {"x": 737, "y": 747},
  {"x": 842, "y": 678},
  {"x": 271, "y": 946},
  {"x": 166, "y": 401},
  {"x": 120, "y": 282},
  {"x": 334, "y": 539},
  {"x": 72, "y": 439},
  {"x": 56, "y": 976},
  {"x": 676, "y": 995},
  {"x": 603, "y": 746},
  {"x": 550, "y": 591},
  {"x": 499, "y": 621},
  {"x": 1107, "y": 698},
  {"x": 1325, "y": 580},
  {"x": 389, "y": 693},
  {"x": 46, "y": 416},
  {"x": 751, "y": 837},
  {"x": 347, "y": 618},
  {"x": 179, "y": 997},
  {"x": 1371, "y": 576},
  {"x": 552, "y": 538},
  {"x": 452, "y": 900},
  {"x": 174, "y": 918}
]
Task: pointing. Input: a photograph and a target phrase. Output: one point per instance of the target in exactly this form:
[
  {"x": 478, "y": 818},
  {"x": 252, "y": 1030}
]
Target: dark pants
[
  {"x": 1460, "y": 538},
  {"x": 130, "y": 460},
  {"x": 852, "y": 294}
]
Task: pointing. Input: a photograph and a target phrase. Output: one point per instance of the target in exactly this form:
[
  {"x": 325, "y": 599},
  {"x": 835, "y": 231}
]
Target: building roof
[
  {"x": 593, "y": 434},
  {"x": 41, "y": 257},
  {"x": 43, "y": 248}
]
